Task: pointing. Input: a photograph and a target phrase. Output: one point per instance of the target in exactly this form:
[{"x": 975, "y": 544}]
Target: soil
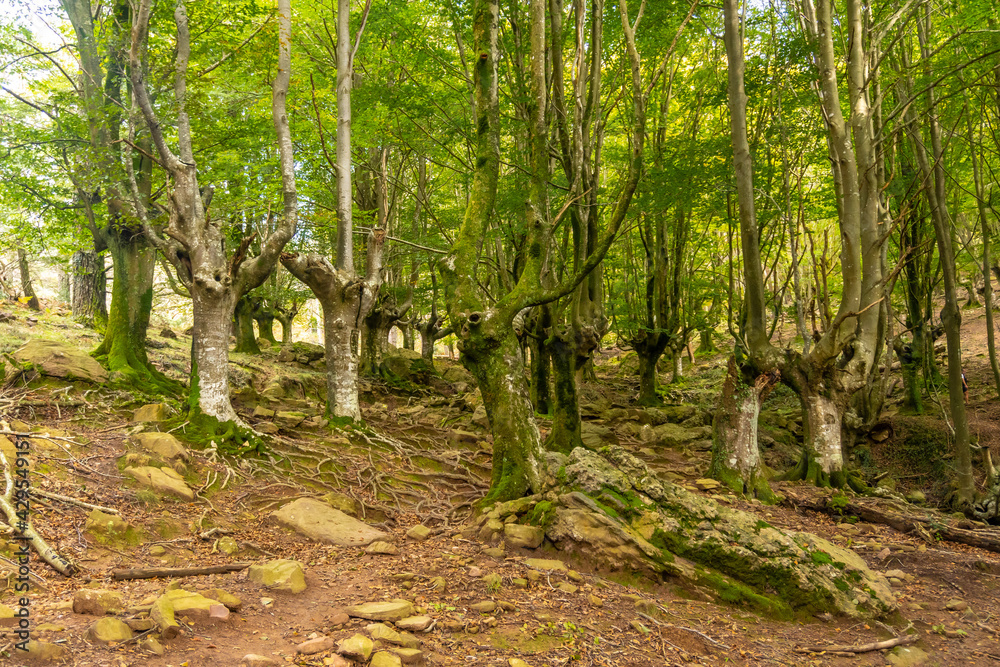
[{"x": 423, "y": 460}]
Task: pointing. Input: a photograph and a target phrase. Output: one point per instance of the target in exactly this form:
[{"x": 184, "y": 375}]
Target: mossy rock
[{"x": 610, "y": 507}]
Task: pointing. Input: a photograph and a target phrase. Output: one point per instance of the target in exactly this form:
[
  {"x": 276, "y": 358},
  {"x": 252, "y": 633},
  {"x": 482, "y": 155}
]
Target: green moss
[
  {"x": 821, "y": 558},
  {"x": 760, "y": 525},
  {"x": 737, "y": 593},
  {"x": 542, "y": 514}
]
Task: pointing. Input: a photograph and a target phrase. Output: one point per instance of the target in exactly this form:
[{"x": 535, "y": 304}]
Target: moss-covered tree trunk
[
  {"x": 246, "y": 341},
  {"x": 649, "y": 347},
  {"x": 822, "y": 460},
  {"x": 736, "y": 460},
  {"x": 124, "y": 346},
  {"x": 541, "y": 391},
  {"x": 374, "y": 340},
  {"x": 26, "y": 287},
  {"x": 263, "y": 315},
  {"x": 490, "y": 352},
  {"x": 566, "y": 428}
]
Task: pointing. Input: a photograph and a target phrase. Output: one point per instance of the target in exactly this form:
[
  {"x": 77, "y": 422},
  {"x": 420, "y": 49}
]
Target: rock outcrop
[{"x": 610, "y": 507}]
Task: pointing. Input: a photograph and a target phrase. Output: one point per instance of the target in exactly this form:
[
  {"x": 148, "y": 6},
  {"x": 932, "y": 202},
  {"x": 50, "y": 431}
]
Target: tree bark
[
  {"x": 246, "y": 341},
  {"x": 29, "y": 292},
  {"x": 736, "y": 459},
  {"x": 566, "y": 427},
  {"x": 88, "y": 285},
  {"x": 124, "y": 343}
]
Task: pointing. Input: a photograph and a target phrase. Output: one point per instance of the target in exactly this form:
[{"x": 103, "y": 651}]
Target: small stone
[
  {"x": 595, "y": 601},
  {"x": 260, "y": 412},
  {"x": 453, "y": 626},
  {"x": 419, "y": 533},
  {"x": 639, "y": 627},
  {"x": 956, "y": 605},
  {"x": 507, "y": 606},
  {"x": 157, "y": 550},
  {"x": 232, "y": 602},
  {"x": 266, "y": 602},
  {"x": 896, "y": 574},
  {"x": 385, "y": 659},
  {"x": 493, "y": 581},
  {"x": 517, "y": 662},
  {"x": 357, "y": 647},
  {"x": 414, "y": 623},
  {"x": 573, "y": 575},
  {"x": 484, "y": 607},
  {"x": 97, "y": 602},
  {"x": 47, "y": 651},
  {"x": 916, "y": 497},
  {"x": 534, "y": 575},
  {"x": 438, "y": 584},
  {"x": 409, "y": 640},
  {"x": 151, "y": 645},
  {"x": 529, "y": 537},
  {"x": 382, "y": 611},
  {"x": 316, "y": 645},
  {"x": 409, "y": 656},
  {"x": 164, "y": 480},
  {"x": 475, "y": 572},
  {"x": 227, "y": 546},
  {"x": 281, "y": 575},
  {"x": 494, "y": 552},
  {"x": 255, "y": 660},
  {"x": 382, "y": 632},
  {"x": 519, "y": 583},
  {"x": 336, "y": 661},
  {"x": 546, "y": 564},
  {"x": 140, "y": 624},
  {"x": 154, "y": 412},
  {"x": 339, "y": 619},
  {"x": 567, "y": 587},
  {"x": 907, "y": 656},
  {"x": 109, "y": 630},
  {"x": 382, "y": 548},
  {"x": 706, "y": 484}
]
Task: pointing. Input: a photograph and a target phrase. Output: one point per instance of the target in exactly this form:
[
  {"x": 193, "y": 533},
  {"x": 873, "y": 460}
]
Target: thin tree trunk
[
  {"x": 566, "y": 428},
  {"x": 246, "y": 341},
  {"x": 26, "y": 288},
  {"x": 87, "y": 285}
]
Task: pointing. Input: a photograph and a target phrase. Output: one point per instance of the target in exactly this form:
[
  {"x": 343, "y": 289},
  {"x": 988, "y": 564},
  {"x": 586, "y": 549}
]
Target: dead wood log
[
  {"x": 874, "y": 510},
  {"x": 169, "y": 572},
  {"x": 15, "y": 506},
  {"x": 902, "y": 640}
]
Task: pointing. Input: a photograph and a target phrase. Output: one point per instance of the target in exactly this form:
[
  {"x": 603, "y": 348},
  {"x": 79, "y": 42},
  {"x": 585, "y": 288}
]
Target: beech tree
[{"x": 192, "y": 240}]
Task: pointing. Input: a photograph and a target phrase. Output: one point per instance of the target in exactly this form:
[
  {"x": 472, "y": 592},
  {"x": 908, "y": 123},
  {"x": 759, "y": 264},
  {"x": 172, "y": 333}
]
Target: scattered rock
[
  {"x": 281, "y": 575},
  {"x": 46, "y": 651},
  {"x": 595, "y": 601},
  {"x": 232, "y": 602},
  {"x": 385, "y": 659},
  {"x": 567, "y": 587},
  {"x": 320, "y": 522},
  {"x": 260, "y": 412},
  {"x": 517, "y": 662},
  {"x": 342, "y": 502},
  {"x": 164, "y": 480},
  {"x": 164, "y": 446},
  {"x": 167, "y": 332},
  {"x": 382, "y": 548},
  {"x": 907, "y": 656},
  {"x": 414, "y": 623},
  {"x": 494, "y": 552},
  {"x": 108, "y": 527},
  {"x": 151, "y": 645},
  {"x": 409, "y": 656},
  {"x": 289, "y": 419},
  {"x": 97, "y": 602},
  {"x": 339, "y": 619},
  {"x": 162, "y": 614},
  {"x": 479, "y": 417},
  {"x": 956, "y": 605},
  {"x": 484, "y": 607},
  {"x": 419, "y": 533},
  {"x": 706, "y": 484},
  {"x": 317, "y": 645},
  {"x": 357, "y": 647},
  {"x": 109, "y": 630},
  {"x": 516, "y": 535},
  {"x": 546, "y": 564},
  {"x": 194, "y": 606},
  {"x": 154, "y": 412},
  {"x": 381, "y": 611},
  {"x": 255, "y": 660},
  {"x": 59, "y": 360},
  {"x": 916, "y": 497},
  {"x": 227, "y": 545},
  {"x": 382, "y": 632}
]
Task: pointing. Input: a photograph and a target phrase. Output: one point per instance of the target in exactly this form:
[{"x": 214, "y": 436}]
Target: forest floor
[{"x": 424, "y": 458}]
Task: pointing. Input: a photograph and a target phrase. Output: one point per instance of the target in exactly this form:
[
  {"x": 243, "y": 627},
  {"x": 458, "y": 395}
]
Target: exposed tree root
[
  {"x": 876, "y": 510},
  {"x": 902, "y": 640}
]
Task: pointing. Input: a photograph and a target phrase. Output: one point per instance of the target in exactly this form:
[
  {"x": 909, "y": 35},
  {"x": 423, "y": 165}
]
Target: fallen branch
[
  {"x": 876, "y": 511},
  {"x": 73, "y": 501},
  {"x": 167, "y": 572},
  {"x": 21, "y": 523},
  {"x": 902, "y": 640}
]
